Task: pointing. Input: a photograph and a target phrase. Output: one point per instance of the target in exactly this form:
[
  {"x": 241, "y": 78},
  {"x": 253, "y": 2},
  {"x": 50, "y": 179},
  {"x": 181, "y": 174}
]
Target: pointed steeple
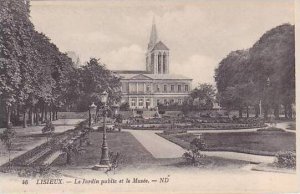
[{"x": 153, "y": 36}]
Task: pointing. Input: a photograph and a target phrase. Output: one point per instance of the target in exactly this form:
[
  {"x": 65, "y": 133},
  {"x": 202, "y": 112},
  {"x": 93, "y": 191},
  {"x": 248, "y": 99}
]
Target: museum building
[{"x": 147, "y": 89}]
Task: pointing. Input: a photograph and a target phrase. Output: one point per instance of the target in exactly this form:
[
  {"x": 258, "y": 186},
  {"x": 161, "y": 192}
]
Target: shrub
[
  {"x": 124, "y": 106},
  {"x": 286, "y": 160},
  {"x": 161, "y": 112},
  {"x": 7, "y": 137},
  {"x": 48, "y": 129},
  {"x": 193, "y": 156}
]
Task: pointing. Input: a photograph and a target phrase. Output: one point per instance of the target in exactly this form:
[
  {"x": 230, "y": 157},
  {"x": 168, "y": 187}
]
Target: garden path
[
  {"x": 285, "y": 126},
  {"x": 241, "y": 156},
  {"x": 156, "y": 145}
]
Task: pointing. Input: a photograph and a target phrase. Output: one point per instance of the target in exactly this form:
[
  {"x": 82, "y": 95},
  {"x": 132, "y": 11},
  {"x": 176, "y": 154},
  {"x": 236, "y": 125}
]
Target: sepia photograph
[{"x": 141, "y": 96}]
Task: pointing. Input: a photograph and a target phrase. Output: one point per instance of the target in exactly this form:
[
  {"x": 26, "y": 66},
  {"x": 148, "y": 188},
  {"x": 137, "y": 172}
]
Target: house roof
[{"x": 160, "y": 46}]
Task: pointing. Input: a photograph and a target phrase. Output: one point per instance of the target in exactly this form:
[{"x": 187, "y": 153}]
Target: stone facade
[{"x": 147, "y": 89}]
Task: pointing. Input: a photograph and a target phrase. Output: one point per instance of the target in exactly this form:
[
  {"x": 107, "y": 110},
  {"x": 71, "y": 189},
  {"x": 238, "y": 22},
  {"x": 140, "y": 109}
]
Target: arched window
[
  {"x": 152, "y": 59},
  {"x": 159, "y": 63},
  {"x": 164, "y": 63}
]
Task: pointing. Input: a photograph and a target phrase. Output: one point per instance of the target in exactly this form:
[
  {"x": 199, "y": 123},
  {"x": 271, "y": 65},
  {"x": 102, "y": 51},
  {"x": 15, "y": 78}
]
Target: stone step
[
  {"x": 52, "y": 157},
  {"x": 37, "y": 156}
]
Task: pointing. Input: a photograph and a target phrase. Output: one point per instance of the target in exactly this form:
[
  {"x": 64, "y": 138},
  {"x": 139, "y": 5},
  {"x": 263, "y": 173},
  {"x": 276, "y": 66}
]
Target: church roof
[
  {"x": 160, "y": 46},
  {"x": 153, "y": 35},
  {"x": 154, "y": 76}
]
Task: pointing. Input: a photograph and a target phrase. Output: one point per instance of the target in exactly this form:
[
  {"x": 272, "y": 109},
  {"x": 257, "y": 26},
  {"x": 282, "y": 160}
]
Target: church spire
[{"x": 153, "y": 36}]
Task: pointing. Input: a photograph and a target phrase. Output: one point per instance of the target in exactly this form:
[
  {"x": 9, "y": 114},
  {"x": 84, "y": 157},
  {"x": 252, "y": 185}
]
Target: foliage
[
  {"x": 7, "y": 138},
  {"x": 193, "y": 156},
  {"x": 119, "y": 118},
  {"x": 36, "y": 76},
  {"x": 48, "y": 129},
  {"x": 124, "y": 106},
  {"x": 265, "y": 72},
  {"x": 286, "y": 159},
  {"x": 201, "y": 98},
  {"x": 90, "y": 81}
]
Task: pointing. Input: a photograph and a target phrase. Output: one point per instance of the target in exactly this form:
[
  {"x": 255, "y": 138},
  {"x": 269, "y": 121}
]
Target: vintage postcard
[{"x": 140, "y": 96}]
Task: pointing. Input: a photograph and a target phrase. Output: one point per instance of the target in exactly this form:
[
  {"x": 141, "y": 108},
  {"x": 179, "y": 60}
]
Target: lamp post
[
  {"x": 92, "y": 110},
  {"x": 260, "y": 104},
  {"x": 104, "y": 161}
]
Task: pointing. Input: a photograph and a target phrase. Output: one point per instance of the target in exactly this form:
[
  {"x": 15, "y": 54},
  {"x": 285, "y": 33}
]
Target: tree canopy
[
  {"x": 36, "y": 77},
  {"x": 264, "y": 73}
]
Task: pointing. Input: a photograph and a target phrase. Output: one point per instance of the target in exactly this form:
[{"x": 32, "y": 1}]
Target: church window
[
  {"x": 159, "y": 64},
  {"x": 172, "y": 101},
  {"x": 165, "y": 88},
  {"x": 186, "y": 88},
  {"x": 152, "y": 59},
  {"x": 157, "y": 88},
  {"x": 172, "y": 88},
  {"x": 164, "y": 63},
  {"x": 158, "y": 102},
  {"x": 179, "y": 88}
]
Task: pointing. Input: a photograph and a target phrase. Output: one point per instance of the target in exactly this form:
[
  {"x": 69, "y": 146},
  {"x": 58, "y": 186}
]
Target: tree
[
  {"x": 264, "y": 73},
  {"x": 33, "y": 71},
  {"x": 92, "y": 80},
  {"x": 7, "y": 138},
  {"x": 201, "y": 98}
]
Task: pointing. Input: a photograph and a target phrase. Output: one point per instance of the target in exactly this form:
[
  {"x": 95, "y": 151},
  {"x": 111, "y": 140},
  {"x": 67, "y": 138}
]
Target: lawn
[
  {"x": 130, "y": 150},
  {"x": 134, "y": 156},
  {"x": 262, "y": 143}
]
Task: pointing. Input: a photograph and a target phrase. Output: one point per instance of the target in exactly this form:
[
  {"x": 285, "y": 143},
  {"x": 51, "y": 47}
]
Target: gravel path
[
  {"x": 156, "y": 145},
  {"x": 241, "y": 156}
]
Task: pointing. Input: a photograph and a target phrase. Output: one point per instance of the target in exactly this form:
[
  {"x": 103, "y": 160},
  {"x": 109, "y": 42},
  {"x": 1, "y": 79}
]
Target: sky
[{"x": 199, "y": 33}]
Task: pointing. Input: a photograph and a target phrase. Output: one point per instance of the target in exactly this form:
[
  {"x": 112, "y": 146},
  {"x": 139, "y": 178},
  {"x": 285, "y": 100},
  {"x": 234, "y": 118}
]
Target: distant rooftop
[
  {"x": 131, "y": 72},
  {"x": 141, "y": 76}
]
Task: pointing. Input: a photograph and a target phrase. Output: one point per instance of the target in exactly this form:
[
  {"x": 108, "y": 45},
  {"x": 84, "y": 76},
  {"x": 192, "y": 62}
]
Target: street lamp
[
  {"x": 260, "y": 104},
  {"x": 92, "y": 110},
  {"x": 104, "y": 161}
]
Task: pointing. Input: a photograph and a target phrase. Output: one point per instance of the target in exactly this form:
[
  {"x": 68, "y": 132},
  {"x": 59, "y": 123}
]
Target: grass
[
  {"x": 130, "y": 150},
  {"x": 135, "y": 156},
  {"x": 261, "y": 143}
]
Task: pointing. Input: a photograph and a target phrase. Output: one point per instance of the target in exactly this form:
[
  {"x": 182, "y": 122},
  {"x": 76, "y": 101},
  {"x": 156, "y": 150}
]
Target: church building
[{"x": 147, "y": 89}]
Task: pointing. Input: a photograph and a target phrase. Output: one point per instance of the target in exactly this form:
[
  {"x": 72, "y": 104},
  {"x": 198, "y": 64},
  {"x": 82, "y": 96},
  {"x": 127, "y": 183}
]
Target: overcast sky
[{"x": 198, "y": 33}]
